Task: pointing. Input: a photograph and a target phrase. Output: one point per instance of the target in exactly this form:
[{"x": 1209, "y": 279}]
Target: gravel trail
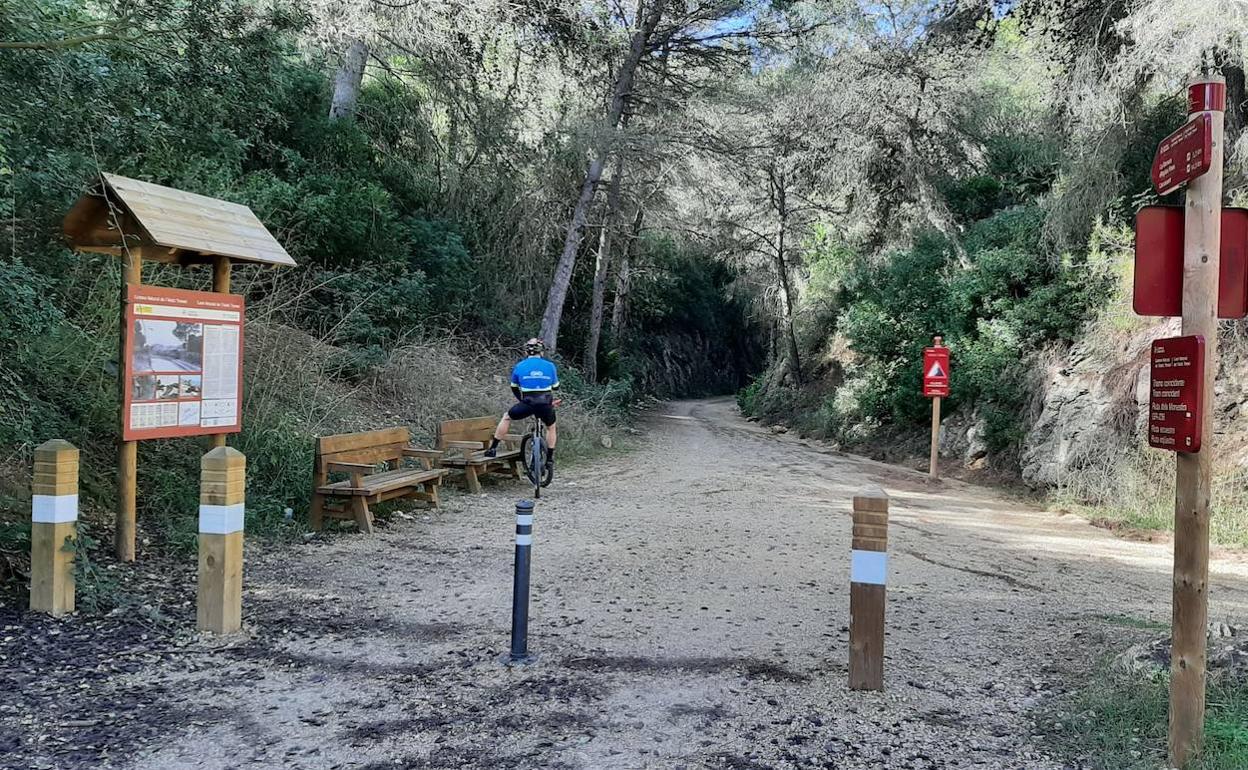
[{"x": 690, "y": 608}]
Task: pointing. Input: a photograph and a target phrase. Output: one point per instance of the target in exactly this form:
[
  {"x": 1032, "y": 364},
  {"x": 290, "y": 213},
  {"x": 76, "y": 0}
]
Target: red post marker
[{"x": 935, "y": 387}]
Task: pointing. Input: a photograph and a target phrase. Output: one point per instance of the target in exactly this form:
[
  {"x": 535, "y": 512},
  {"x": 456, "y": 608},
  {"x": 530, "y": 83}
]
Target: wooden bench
[
  {"x": 357, "y": 455},
  {"x": 463, "y": 443}
]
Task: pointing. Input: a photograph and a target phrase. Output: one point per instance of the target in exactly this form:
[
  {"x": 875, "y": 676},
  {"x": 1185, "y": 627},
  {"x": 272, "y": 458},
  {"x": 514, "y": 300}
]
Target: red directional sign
[
  {"x": 1175, "y": 391},
  {"x": 936, "y": 372},
  {"x": 1184, "y": 155},
  {"x": 1159, "y": 262}
]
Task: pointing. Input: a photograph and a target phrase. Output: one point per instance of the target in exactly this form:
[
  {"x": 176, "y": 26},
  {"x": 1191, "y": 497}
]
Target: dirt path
[{"x": 690, "y": 608}]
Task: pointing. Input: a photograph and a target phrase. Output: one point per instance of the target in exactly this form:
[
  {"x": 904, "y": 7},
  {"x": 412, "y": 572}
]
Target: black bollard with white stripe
[{"x": 519, "y": 654}]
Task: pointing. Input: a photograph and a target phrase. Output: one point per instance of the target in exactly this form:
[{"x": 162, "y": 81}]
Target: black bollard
[{"x": 519, "y": 654}]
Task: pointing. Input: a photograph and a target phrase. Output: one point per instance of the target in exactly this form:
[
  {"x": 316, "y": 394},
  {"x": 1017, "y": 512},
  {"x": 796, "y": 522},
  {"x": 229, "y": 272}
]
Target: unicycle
[{"x": 533, "y": 456}]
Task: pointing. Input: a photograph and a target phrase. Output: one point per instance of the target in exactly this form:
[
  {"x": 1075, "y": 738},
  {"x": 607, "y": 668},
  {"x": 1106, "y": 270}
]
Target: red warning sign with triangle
[{"x": 936, "y": 372}]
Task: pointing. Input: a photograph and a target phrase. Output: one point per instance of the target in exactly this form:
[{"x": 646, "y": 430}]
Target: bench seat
[
  {"x": 358, "y": 455},
  {"x": 463, "y": 444},
  {"x": 381, "y": 483}
]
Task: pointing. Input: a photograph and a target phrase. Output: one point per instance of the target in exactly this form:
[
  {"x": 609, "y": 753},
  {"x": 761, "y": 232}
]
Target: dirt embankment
[{"x": 690, "y": 607}]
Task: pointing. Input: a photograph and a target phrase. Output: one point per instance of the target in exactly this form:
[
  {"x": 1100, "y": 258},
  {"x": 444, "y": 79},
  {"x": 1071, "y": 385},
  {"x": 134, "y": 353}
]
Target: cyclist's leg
[
  {"x": 517, "y": 412},
  {"x": 547, "y": 416}
]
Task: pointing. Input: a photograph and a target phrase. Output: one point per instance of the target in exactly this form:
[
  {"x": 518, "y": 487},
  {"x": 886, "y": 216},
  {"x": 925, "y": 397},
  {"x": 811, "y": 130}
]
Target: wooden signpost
[
  {"x": 219, "y": 598},
  {"x": 935, "y": 387},
  {"x": 1193, "y": 155},
  {"x": 141, "y": 222},
  {"x": 867, "y": 578},
  {"x": 54, "y": 526}
]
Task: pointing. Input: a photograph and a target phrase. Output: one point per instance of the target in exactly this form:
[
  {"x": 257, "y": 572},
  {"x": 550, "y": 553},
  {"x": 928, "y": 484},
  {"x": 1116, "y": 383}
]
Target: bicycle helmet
[{"x": 534, "y": 347}]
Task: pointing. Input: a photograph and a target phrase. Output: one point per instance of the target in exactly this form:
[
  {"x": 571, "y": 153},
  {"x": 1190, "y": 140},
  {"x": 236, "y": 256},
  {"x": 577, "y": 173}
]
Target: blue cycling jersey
[{"x": 535, "y": 375}]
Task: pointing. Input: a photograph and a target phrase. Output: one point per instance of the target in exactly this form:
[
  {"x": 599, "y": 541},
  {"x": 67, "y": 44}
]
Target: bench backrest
[
  {"x": 472, "y": 429},
  {"x": 370, "y": 447}
]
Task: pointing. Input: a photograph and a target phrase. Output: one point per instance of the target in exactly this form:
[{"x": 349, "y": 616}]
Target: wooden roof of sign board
[{"x": 170, "y": 225}]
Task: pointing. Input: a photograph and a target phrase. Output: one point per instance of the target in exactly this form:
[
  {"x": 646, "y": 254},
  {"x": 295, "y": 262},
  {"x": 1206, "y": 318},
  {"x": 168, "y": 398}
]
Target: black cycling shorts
[{"x": 523, "y": 410}]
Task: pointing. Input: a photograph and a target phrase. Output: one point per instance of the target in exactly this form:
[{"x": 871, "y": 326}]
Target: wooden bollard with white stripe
[
  {"x": 868, "y": 570},
  {"x": 219, "y": 604},
  {"x": 53, "y": 521}
]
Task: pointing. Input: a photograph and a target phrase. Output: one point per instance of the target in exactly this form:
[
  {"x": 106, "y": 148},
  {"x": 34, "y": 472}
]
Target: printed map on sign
[{"x": 183, "y": 363}]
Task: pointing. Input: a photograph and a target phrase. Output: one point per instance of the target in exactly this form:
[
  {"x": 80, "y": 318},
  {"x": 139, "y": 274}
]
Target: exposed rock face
[{"x": 1092, "y": 402}]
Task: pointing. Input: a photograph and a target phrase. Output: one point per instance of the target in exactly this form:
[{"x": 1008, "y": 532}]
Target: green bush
[{"x": 1008, "y": 298}]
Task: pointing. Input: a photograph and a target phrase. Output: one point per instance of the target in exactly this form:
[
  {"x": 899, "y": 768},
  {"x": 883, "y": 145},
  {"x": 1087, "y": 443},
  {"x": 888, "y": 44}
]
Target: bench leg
[
  {"x": 515, "y": 469},
  {"x": 432, "y": 489},
  {"x": 363, "y": 517},
  {"x": 317, "y": 515},
  {"x": 470, "y": 478}
]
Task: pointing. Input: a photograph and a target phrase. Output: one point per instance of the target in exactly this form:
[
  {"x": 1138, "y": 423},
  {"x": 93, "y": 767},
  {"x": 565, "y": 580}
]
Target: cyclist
[{"x": 533, "y": 382}]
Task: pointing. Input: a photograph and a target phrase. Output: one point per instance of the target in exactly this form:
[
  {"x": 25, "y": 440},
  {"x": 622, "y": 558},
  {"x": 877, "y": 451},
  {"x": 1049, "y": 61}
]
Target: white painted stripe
[
  {"x": 524, "y": 519},
  {"x": 868, "y": 567},
  {"x": 524, "y": 540},
  {"x": 220, "y": 519},
  {"x": 53, "y": 509}
]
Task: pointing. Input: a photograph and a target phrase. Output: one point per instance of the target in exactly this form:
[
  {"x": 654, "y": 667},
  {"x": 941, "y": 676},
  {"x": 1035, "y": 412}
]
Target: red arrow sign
[{"x": 1184, "y": 155}]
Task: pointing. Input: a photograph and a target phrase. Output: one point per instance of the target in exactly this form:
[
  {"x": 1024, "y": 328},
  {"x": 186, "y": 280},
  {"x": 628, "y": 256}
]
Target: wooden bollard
[
  {"x": 219, "y": 602},
  {"x": 868, "y": 570},
  {"x": 53, "y": 521}
]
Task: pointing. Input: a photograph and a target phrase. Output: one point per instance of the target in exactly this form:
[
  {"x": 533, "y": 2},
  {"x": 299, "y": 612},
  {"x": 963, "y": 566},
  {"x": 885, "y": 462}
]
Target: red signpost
[
  {"x": 935, "y": 387},
  {"x": 1176, "y": 393},
  {"x": 1191, "y": 282}
]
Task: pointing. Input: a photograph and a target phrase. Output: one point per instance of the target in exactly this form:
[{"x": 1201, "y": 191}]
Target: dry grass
[{"x": 1136, "y": 491}]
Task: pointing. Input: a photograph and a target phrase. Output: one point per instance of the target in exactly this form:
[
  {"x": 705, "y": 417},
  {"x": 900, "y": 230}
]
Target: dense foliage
[{"x": 432, "y": 214}]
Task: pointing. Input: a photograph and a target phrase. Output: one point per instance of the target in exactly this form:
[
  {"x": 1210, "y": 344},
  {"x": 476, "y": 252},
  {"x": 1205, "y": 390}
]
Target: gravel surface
[{"x": 690, "y": 607}]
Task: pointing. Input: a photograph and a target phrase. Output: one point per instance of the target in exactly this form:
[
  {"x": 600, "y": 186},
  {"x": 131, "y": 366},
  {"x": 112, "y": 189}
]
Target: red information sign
[
  {"x": 183, "y": 363},
  {"x": 936, "y": 372},
  {"x": 1159, "y": 262},
  {"x": 1184, "y": 155},
  {"x": 1175, "y": 392}
]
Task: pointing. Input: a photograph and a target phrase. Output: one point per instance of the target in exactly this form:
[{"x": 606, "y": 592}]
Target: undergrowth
[{"x": 1119, "y": 722}]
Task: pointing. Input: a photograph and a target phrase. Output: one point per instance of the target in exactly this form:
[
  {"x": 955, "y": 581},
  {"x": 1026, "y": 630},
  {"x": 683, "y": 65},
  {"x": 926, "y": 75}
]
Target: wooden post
[
  {"x": 53, "y": 521},
  {"x": 932, "y": 471},
  {"x": 221, "y": 285},
  {"x": 128, "y": 453},
  {"x": 869, "y": 567},
  {"x": 219, "y": 603},
  {"x": 1194, "y": 470}
]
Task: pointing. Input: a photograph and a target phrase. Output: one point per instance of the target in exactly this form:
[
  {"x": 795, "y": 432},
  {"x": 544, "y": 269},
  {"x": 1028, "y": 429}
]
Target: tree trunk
[
  {"x": 786, "y": 309},
  {"x": 600, "y": 271},
  {"x": 779, "y": 200},
  {"x": 558, "y": 293},
  {"x": 347, "y": 82},
  {"x": 619, "y": 307}
]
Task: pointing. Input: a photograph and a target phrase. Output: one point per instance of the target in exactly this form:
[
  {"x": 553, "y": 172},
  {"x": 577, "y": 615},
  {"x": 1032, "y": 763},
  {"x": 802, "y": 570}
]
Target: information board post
[
  {"x": 1193, "y": 470},
  {"x": 935, "y": 387},
  {"x": 221, "y": 284},
  {"x": 128, "y": 452}
]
